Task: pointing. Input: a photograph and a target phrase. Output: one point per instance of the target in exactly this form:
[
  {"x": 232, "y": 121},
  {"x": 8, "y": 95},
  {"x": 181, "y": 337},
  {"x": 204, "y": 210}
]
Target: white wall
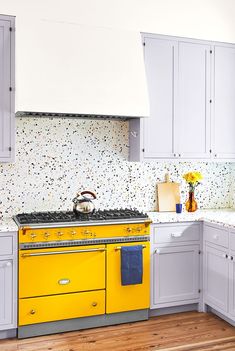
[{"x": 203, "y": 19}]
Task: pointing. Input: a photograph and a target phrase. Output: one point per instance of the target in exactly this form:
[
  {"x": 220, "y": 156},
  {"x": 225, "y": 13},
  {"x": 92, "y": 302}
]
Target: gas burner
[{"x": 70, "y": 217}]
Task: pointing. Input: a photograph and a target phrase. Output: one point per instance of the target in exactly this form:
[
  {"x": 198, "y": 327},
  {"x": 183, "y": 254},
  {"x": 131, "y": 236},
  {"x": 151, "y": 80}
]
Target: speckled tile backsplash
[
  {"x": 57, "y": 157},
  {"x": 232, "y": 189}
]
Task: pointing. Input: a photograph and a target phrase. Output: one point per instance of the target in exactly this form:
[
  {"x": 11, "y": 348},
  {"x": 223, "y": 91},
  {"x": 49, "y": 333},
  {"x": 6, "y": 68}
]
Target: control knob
[
  {"x": 129, "y": 230},
  {"x": 46, "y": 235},
  {"x": 33, "y": 236},
  {"x": 60, "y": 234},
  {"x": 73, "y": 233}
]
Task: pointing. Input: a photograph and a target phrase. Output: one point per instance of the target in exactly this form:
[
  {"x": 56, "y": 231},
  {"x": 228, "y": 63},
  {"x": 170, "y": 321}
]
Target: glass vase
[{"x": 191, "y": 203}]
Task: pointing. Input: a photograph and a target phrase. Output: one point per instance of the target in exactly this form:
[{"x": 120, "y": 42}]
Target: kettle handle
[{"x": 88, "y": 192}]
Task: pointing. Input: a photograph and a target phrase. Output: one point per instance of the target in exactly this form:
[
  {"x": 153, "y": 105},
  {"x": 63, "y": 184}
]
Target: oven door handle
[
  {"x": 120, "y": 247},
  {"x": 61, "y": 252}
]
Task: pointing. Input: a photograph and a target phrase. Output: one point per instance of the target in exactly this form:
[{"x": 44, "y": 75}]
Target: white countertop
[
  {"x": 7, "y": 224},
  {"x": 225, "y": 217}
]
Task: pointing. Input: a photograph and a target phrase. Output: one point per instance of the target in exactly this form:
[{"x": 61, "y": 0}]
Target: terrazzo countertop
[
  {"x": 225, "y": 217},
  {"x": 7, "y": 224}
]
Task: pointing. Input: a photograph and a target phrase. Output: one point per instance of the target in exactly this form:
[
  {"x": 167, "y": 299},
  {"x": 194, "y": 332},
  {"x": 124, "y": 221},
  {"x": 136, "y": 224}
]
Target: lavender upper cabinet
[
  {"x": 179, "y": 85},
  {"x": 158, "y": 129},
  {"x": 224, "y": 102},
  {"x": 192, "y": 119},
  {"x": 6, "y": 89}
]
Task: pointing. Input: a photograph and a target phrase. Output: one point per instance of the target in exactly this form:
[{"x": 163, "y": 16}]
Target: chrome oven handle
[
  {"x": 120, "y": 247},
  {"x": 61, "y": 252}
]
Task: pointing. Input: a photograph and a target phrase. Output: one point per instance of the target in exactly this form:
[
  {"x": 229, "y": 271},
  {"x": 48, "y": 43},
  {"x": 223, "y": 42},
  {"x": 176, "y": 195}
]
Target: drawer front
[
  {"x": 6, "y": 245},
  {"x": 56, "y": 271},
  {"x": 175, "y": 234},
  {"x": 59, "y": 307},
  {"x": 216, "y": 236}
]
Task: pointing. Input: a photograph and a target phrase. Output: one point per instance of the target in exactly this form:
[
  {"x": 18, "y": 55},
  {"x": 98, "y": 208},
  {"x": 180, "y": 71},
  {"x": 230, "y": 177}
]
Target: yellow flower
[{"x": 193, "y": 177}]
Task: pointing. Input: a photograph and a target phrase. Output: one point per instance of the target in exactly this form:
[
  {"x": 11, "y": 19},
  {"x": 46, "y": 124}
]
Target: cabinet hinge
[
  {"x": 142, "y": 150},
  {"x": 210, "y": 51},
  {"x": 199, "y": 290}
]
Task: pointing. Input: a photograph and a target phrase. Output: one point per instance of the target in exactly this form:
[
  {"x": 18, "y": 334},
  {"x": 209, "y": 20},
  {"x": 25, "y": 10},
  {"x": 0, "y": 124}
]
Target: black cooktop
[{"x": 61, "y": 216}]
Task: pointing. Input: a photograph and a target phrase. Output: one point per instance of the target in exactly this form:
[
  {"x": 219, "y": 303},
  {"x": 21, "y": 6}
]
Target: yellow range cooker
[{"x": 70, "y": 270}]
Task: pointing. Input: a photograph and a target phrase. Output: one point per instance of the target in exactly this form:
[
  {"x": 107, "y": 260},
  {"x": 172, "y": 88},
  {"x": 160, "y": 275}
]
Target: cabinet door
[
  {"x": 224, "y": 121},
  {"x": 64, "y": 275},
  {"x": 120, "y": 298},
  {"x": 6, "y": 113},
  {"x": 160, "y": 62},
  {"x": 175, "y": 274},
  {"x": 216, "y": 278},
  {"x": 232, "y": 287},
  {"x": 193, "y": 101},
  {"x": 6, "y": 287}
]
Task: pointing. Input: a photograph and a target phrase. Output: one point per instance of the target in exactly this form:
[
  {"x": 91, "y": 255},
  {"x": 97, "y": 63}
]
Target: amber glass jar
[{"x": 191, "y": 203}]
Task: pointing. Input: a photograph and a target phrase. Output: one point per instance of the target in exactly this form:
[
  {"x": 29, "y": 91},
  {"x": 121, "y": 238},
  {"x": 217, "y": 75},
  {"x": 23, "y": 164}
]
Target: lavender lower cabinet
[
  {"x": 8, "y": 284},
  {"x": 6, "y": 293},
  {"x": 232, "y": 289},
  {"x": 219, "y": 270},
  {"x": 232, "y": 274},
  {"x": 175, "y": 275},
  {"x": 216, "y": 278}
]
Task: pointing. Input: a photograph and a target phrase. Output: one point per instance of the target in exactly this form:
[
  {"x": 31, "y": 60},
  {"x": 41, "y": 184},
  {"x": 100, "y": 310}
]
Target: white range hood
[{"x": 67, "y": 68}]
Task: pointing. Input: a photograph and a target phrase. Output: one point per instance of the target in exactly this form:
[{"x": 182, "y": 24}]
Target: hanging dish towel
[{"x": 132, "y": 265}]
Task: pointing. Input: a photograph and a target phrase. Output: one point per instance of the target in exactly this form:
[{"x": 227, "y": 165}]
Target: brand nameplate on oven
[{"x": 63, "y": 281}]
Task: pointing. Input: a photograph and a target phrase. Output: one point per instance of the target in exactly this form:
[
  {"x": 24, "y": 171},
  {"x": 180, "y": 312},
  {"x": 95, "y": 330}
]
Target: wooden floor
[{"x": 190, "y": 331}]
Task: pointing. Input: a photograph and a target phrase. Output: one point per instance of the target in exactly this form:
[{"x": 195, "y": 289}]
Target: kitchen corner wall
[{"x": 57, "y": 157}]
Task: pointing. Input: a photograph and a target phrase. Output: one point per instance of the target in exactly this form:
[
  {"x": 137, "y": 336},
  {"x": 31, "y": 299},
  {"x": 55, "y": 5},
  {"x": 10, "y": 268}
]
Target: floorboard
[{"x": 189, "y": 331}]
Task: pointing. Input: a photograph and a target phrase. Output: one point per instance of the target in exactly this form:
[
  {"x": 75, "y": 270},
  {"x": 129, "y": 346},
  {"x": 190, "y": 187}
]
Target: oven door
[
  {"x": 61, "y": 270},
  {"x": 130, "y": 297}
]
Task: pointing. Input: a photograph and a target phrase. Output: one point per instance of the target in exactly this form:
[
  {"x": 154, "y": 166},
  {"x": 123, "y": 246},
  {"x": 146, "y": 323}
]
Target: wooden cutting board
[{"x": 168, "y": 195}]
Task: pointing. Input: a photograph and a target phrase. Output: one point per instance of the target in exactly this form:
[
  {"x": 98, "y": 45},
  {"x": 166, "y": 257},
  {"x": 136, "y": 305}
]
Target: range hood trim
[{"x": 74, "y": 115}]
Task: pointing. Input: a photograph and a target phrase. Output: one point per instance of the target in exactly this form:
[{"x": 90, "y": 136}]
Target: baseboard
[
  {"x": 81, "y": 323},
  {"x": 222, "y": 316},
  {"x": 7, "y": 334},
  {"x": 174, "y": 309}
]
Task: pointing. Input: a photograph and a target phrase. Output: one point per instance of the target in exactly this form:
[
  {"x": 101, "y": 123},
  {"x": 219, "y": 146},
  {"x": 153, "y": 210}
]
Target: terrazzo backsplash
[{"x": 57, "y": 157}]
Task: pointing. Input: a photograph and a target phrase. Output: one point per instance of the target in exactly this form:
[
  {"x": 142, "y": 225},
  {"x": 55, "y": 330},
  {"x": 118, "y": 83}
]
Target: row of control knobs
[
  {"x": 73, "y": 233},
  {"x": 59, "y": 235}
]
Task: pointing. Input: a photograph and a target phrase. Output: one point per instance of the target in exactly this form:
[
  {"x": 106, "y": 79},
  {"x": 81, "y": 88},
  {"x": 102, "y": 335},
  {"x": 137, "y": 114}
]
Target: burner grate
[{"x": 69, "y": 216}]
